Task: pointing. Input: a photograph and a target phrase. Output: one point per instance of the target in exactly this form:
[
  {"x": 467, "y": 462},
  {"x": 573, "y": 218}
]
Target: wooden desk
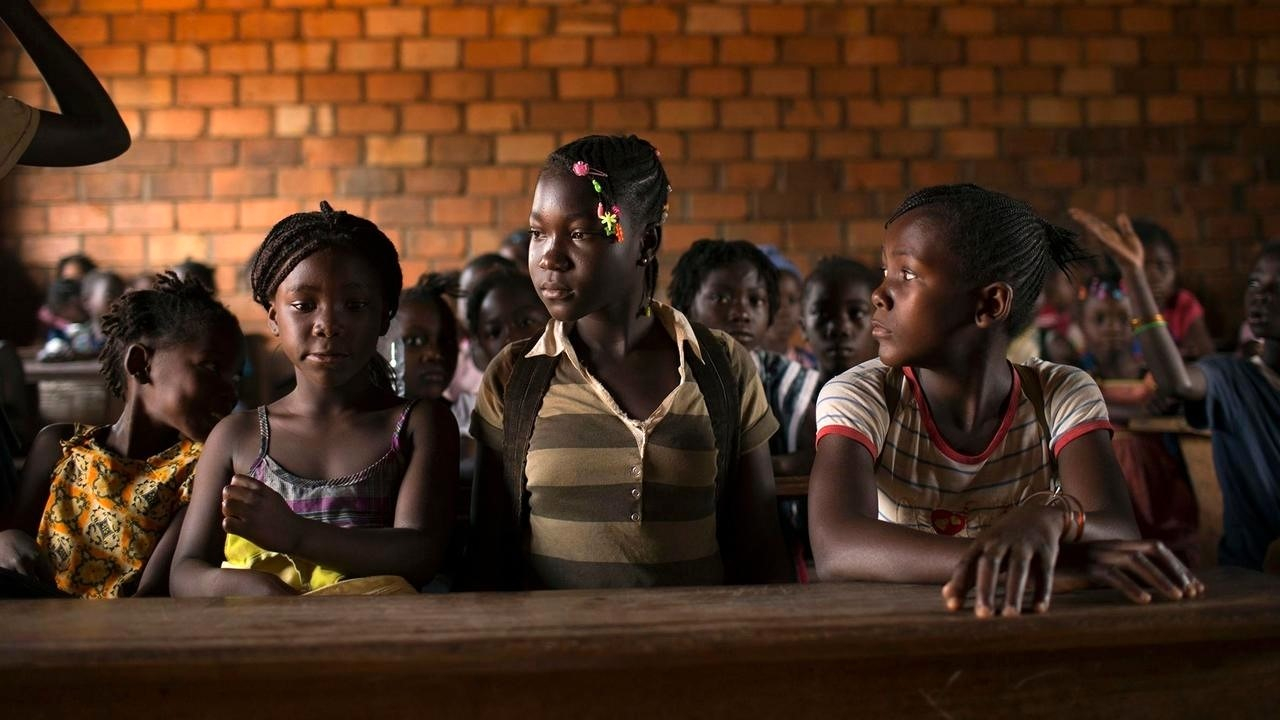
[
  {"x": 71, "y": 391},
  {"x": 828, "y": 650}
]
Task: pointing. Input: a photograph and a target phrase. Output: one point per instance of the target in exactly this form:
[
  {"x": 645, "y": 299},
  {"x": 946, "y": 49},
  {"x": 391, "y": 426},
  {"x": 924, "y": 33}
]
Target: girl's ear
[
  {"x": 995, "y": 302},
  {"x": 137, "y": 362},
  {"x": 271, "y": 320},
  {"x": 650, "y": 241}
]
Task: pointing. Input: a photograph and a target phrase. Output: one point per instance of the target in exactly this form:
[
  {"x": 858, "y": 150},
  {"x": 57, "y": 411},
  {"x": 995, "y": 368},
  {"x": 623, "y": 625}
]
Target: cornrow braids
[
  {"x": 173, "y": 312},
  {"x": 633, "y": 179},
  {"x": 487, "y": 285},
  {"x": 835, "y": 269},
  {"x": 706, "y": 256},
  {"x": 304, "y": 234},
  {"x": 997, "y": 239}
]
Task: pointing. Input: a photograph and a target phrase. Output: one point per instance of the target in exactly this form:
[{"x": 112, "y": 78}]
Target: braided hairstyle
[
  {"x": 706, "y": 256},
  {"x": 836, "y": 269},
  {"x": 634, "y": 180},
  {"x": 172, "y": 312},
  {"x": 304, "y": 234},
  {"x": 997, "y": 239}
]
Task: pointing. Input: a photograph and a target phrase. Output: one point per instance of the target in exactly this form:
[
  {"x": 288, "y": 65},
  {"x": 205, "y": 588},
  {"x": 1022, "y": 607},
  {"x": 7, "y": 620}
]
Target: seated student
[
  {"x": 88, "y": 130},
  {"x": 430, "y": 336},
  {"x": 731, "y": 286},
  {"x": 942, "y": 462},
  {"x": 98, "y": 290},
  {"x": 1164, "y": 504},
  {"x": 98, "y": 509},
  {"x": 76, "y": 266},
  {"x": 626, "y": 446},
  {"x": 835, "y": 315},
  {"x": 63, "y": 308},
  {"x": 341, "y": 478},
  {"x": 1238, "y": 398},
  {"x": 466, "y": 376},
  {"x": 1179, "y": 307},
  {"x": 780, "y": 336},
  {"x": 503, "y": 309},
  {"x": 1055, "y": 333}
]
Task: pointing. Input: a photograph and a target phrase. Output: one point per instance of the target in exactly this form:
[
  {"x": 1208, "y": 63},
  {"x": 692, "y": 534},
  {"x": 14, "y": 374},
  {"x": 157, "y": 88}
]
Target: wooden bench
[{"x": 821, "y": 651}]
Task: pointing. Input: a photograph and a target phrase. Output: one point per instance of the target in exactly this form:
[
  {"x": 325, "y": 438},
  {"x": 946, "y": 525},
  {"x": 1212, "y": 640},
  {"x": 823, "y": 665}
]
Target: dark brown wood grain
[{"x": 785, "y": 651}]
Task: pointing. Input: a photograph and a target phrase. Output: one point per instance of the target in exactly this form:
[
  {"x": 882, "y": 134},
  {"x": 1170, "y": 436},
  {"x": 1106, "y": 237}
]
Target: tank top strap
[
  {"x": 404, "y": 417},
  {"x": 264, "y": 432}
]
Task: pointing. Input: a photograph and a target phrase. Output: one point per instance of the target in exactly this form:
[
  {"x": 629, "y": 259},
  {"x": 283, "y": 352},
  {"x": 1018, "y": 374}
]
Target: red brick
[
  {"x": 268, "y": 25},
  {"x": 716, "y": 82},
  {"x": 494, "y": 117},
  {"x": 621, "y": 115},
  {"x": 208, "y": 153},
  {"x": 493, "y": 53},
  {"x": 433, "y": 181},
  {"x": 1028, "y": 81},
  {"x": 368, "y": 181},
  {"x": 394, "y": 87},
  {"x": 968, "y": 20},
  {"x": 580, "y": 84},
  {"x": 141, "y": 28},
  {"x": 399, "y": 151},
  {"x": 208, "y": 216},
  {"x": 1088, "y": 81},
  {"x": 932, "y": 51},
  {"x": 843, "y": 144},
  {"x": 364, "y": 118},
  {"x": 806, "y": 50},
  {"x": 684, "y": 50},
  {"x": 1053, "y": 112},
  {"x": 557, "y": 52},
  {"x": 1206, "y": 81},
  {"x": 308, "y": 182},
  {"x": 748, "y": 50},
  {"x": 871, "y": 51},
  {"x": 1146, "y": 20},
  {"x": 524, "y": 147},
  {"x": 175, "y": 123},
  {"x": 264, "y": 213},
  {"x": 239, "y": 122},
  {"x": 166, "y": 250},
  {"x": 331, "y": 88},
  {"x": 521, "y": 84},
  {"x": 80, "y": 31},
  {"x": 593, "y": 20},
  {"x": 998, "y": 51},
  {"x": 521, "y": 21},
  {"x": 268, "y": 89},
  {"x": 49, "y": 249},
  {"x": 204, "y": 27},
  {"x": 905, "y": 143},
  {"x": 142, "y": 216},
  {"x": 902, "y": 20},
  {"x": 178, "y": 59},
  {"x": 873, "y": 175},
  {"x": 779, "y": 82},
  {"x": 847, "y": 21},
  {"x": 1054, "y": 173},
  {"x": 652, "y": 82},
  {"x": 141, "y": 92},
  {"x": 969, "y": 144},
  {"x": 320, "y": 24},
  {"x": 925, "y": 112},
  {"x": 205, "y": 90},
  {"x": 106, "y": 186},
  {"x": 1111, "y": 51},
  {"x": 495, "y": 181},
  {"x": 238, "y": 57},
  {"x": 1088, "y": 20},
  {"x": 685, "y": 113},
  {"x": 717, "y": 145},
  {"x": 775, "y": 20},
  {"x": 713, "y": 20},
  {"x": 749, "y": 113},
  {"x": 842, "y": 82},
  {"x": 430, "y": 54},
  {"x": 812, "y": 114},
  {"x": 367, "y": 55},
  {"x": 236, "y": 247},
  {"x": 1000, "y": 112},
  {"x": 295, "y": 56},
  {"x": 1112, "y": 111},
  {"x": 621, "y": 51},
  {"x": 648, "y": 20},
  {"x": 716, "y": 206},
  {"x": 459, "y": 22},
  {"x": 461, "y": 210},
  {"x": 967, "y": 81},
  {"x": 874, "y": 113},
  {"x": 464, "y": 85},
  {"x": 270, "y": 152},
  {"x": 116, "y": 249},
  {"x": 1227, "y": 50},
  {"x": 1053, "y": 51},
  {"x": 241, "y": 183},
  {"x": 906, "y": 81},
  {"x": 394, "y": 22},
  {"x": 178, "y": 184},
  {"x": 112, "y": 60},
  {"x": 750, "y": 176},
  {"x": 437, "y": 243},
  {"x": 330, "y": 152},
  {"x": 781, "y": 145}
]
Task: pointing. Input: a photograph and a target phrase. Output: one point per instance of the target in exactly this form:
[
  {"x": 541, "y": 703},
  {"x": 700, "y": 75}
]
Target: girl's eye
[
  {"x": 535, "y": 234},
  {"x": 908, "y": 274},
  {"x": 303, "y": 306},
  {"x": 357, "y": 304}
]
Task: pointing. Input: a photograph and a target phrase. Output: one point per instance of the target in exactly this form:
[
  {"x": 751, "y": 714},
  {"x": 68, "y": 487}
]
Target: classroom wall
[{"x": 798, "y": 124}]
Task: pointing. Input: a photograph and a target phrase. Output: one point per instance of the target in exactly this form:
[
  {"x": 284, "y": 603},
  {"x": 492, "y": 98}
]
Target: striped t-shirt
[
  {"x": 614, "y": 501},
  {"x": 923, "y": 482},
  {"x": 791, "y": 389}
]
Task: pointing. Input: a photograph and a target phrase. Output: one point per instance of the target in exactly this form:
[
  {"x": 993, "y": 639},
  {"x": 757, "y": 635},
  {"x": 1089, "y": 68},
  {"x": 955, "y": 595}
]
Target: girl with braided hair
[
  {"x": 340, "y": 479},
  {"x": 941, "y": 461},
  {"x": 99, "y": 508},
  {"x": 617, "y": 478}
]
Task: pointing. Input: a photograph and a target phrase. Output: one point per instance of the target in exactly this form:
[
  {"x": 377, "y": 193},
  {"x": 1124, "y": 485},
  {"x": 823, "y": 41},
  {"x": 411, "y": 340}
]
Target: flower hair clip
[{"x": 611, "y": 220}]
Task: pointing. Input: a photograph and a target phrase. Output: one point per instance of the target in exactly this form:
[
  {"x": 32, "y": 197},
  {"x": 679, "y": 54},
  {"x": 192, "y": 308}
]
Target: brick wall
[{"x": 798, "y": 124}]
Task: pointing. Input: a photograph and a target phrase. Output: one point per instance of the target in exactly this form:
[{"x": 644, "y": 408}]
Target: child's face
[
  {"x": 1104, "y": 321},
  {"x": 1262, "y": 298},
  {"x": 922, "y": 304},
  {"x": 430, "y": 348},
  {"x": 192, "y": 385},
  {"x": 508, "y": 314},
  {"x": 734, "y": 299},
  {"x": 468, "y": 279},
  {"x": 837, "y": 323},
  {"x": 787, "y": 318},
  {"x": 328, "y": 314},
  {"x": 1162, "y": 273},
  {"x": 99, "y": 299},
  {"x": 577, "y": 269}
]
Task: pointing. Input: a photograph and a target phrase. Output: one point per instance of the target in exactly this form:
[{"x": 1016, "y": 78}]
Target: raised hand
[
  {"x": 1121, "y": 242},
  {"x": 257, "y": 513}
]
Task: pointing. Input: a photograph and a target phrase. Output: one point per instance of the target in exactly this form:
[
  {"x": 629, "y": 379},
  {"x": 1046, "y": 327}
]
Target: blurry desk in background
[
  {"x": 826, "y": 651},
  {"x": 70, "y": 391}
]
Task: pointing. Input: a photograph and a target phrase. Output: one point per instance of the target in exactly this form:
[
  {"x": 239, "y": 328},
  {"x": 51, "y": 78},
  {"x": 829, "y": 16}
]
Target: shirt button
[
  {"x": 635, "y": 492},
  {"x": 635, "y": 471},
  {"x": 635, "y": 517}
]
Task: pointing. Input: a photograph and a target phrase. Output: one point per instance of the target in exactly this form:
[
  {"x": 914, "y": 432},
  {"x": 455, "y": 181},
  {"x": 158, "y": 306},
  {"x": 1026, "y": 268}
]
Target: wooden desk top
[
  {"x": 601, "y": 646},
  {"x": 62, "y": 370}
]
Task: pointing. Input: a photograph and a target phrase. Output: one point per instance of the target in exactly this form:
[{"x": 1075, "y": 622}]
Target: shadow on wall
[{"x": 20, "y": 297}]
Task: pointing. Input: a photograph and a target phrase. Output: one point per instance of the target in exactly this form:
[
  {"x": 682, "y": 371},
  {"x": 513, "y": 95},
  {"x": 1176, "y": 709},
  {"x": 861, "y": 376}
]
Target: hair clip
[
  {"x": 1101, "y": 290},
  {"x": 611, "y": 220}
]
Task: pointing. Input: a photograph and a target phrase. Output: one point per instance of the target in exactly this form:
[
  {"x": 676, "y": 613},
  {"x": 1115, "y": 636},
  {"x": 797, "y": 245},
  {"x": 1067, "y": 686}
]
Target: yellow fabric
[
  {"x": 373, "y": 585},
  {"x": 106, "y": 513},
  {"x": 302, "y": 575},
  {"x": 18, "y": 123}
]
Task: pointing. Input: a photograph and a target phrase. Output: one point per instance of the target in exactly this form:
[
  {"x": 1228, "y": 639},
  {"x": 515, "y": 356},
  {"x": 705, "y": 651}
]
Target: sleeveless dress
[{"x": 364, "y": 499}]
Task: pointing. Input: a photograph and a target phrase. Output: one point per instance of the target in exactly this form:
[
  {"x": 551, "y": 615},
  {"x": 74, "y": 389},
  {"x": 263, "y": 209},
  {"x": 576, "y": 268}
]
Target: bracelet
[
  {"x": 1135, "y": 322},
  {"x": 1072, "y": 513},
  {"x": 1154, "y": 324}
]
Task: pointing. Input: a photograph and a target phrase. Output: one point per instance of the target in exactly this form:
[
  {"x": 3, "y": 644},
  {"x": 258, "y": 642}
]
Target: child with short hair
[
  {"x": 943, "y": 462},
  {"x": 467, "y": 374},
  {"x": 503, "y": 309},
  {"x": 99, "y": 508},
  {"x": 625, "y": 446},
  {"x": 430, "y": 336},
  {"x": 731, "y": 286},
  {"x": 340, "y": 479},
  {"x": 1238, "y": 398},
  {"x": 835, "y": 315},
  {"x": 1178, "y": 305},
  {"x": 780, "y": 336},
  {"x": 98, "y": 290}
]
